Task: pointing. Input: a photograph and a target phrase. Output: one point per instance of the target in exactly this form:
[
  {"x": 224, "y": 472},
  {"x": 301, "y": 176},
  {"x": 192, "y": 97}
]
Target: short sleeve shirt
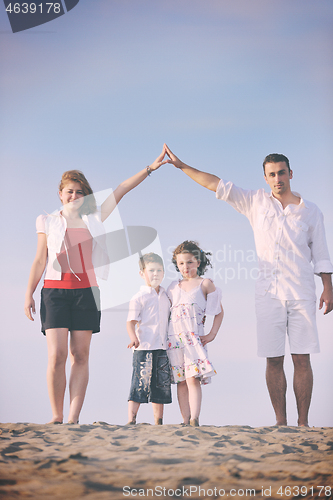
[{"x": 151, "y": 310}]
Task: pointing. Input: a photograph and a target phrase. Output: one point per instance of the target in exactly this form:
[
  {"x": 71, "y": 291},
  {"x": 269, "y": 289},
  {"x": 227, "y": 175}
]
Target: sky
[{"x": 223, "y": 83}]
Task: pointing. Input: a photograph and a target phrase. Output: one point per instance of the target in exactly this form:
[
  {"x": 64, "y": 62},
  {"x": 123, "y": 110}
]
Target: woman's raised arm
[{"x": 112, "y": 201}]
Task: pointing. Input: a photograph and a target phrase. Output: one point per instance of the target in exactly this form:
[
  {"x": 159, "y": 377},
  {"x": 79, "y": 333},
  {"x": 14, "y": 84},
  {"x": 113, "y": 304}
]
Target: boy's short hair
[{"x": 150, "y": 257}]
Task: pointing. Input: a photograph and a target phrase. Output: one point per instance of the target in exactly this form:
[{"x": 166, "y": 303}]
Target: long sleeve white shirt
[{"x": 287, "y": 241}]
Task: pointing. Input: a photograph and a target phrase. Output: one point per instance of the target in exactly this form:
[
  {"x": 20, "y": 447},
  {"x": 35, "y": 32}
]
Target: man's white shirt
[{"x": 287, "y": 241}]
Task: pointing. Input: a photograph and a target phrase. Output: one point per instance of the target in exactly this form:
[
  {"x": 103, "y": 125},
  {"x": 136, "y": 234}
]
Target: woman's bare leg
[
  {"x": 57, "y": 345},
  {"x": 182, "y": 394},
  {"x": 79, "y": 356}
]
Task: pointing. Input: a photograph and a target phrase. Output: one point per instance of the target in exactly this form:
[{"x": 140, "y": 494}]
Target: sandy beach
[{"x": 104, "y": 461}]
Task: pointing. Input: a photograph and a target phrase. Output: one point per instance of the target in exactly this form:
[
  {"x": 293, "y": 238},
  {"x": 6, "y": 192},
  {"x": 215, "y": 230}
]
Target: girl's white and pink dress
[{"x": 187, "y": 356}]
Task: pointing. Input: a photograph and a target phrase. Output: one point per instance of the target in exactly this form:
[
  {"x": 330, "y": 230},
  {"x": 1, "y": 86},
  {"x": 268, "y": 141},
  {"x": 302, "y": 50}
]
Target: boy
[{"x": 147, "y": 326}]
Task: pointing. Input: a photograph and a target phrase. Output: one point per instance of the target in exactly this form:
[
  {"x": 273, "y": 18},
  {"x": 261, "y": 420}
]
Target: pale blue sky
[{"x": 224, "y": 83}]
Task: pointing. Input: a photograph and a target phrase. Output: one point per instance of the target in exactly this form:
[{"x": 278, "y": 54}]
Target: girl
[
  {"x": 191, "y": 298},
  {"x": 73, "y": 245}
]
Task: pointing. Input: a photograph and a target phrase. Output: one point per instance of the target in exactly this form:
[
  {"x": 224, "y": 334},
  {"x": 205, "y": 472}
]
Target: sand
[{"x": 103, "y": 461}]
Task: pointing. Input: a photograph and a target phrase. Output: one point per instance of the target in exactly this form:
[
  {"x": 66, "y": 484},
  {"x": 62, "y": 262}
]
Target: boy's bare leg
[
  {"x": 158, "y": 413},
  {"x": 184, "y": 405},
  {"x": 303, "y": 383},
  {"x": 133, "y": 408},
  {"x": 277, "y": 387}
]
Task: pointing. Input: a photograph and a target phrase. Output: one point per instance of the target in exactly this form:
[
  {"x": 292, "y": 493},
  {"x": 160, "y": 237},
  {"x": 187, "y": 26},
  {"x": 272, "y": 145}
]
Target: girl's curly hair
[{"x": 193, "y": 248}]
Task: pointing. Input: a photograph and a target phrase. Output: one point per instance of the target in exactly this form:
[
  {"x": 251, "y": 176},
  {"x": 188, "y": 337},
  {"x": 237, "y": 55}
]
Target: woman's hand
[
  {"x": 29, "y": 306},
  {"x": 159, "y": 160}
]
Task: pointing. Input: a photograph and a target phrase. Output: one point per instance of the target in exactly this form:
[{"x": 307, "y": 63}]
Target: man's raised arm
[{"x": 206, "y": 180}]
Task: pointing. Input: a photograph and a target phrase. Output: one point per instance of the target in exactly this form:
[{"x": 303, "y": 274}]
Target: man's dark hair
[
  {"x": 149, "y": 257},
  {"x": 275, "y": 158}
]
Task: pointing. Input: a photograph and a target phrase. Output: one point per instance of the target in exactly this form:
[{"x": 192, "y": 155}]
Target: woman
[{"x": 71, "y": 245}]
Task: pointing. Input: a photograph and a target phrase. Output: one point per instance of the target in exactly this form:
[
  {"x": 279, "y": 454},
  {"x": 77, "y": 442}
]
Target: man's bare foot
[
  {"x": 54, "y": 422},
  {"x": 194, "y": 422},
  {"x": 281, "y": 422},
  {"x": 158, "y": 421}
]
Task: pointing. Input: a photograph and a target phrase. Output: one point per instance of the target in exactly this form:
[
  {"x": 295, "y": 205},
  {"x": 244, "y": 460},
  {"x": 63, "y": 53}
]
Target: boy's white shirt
[{"x": 151, "y": 310}]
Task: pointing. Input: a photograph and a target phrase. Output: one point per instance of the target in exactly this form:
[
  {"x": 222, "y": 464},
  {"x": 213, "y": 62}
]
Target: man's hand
[
  {"x": 173, "y": 158},
  {"x": 327, "y": 298},
  {"x": 327, "y": 295},
  {"x": 205, "y": 179}
]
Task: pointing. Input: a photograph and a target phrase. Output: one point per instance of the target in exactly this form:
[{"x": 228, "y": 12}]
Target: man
[{"x": 289, "y": 234}]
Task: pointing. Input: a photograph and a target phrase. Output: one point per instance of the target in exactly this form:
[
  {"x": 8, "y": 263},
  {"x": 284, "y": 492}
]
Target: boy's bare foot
[
  {"x": 158, "y": 421},
  {"x": 133, "y": 421},
  {"x": 54, "y": 422},
  {"x": 194, "y": 422}
]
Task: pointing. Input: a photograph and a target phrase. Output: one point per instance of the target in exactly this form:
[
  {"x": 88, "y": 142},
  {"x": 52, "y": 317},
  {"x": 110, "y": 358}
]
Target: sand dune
[{"x": 103, "y": 461}]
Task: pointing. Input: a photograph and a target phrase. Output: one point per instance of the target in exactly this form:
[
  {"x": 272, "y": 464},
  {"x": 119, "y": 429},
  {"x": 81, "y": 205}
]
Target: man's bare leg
[
  {"x": 277, "y": 387},
  {"x": 303, "y": 383}
]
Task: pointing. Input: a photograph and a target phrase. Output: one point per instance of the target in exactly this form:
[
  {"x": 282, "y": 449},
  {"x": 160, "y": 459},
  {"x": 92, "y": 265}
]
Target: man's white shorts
[{"x": 276, "y": 318}]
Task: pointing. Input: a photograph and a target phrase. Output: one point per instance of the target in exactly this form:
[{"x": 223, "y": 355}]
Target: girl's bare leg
[
  {"x": 194, "y": 397},
  {"x": 79, "y": 356},
  {"x": 57, "y": 340},
  {"x": 158, "y": 413},
  {"x": 183, "y": 400},
  {"x": 133, "y": 408}
]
